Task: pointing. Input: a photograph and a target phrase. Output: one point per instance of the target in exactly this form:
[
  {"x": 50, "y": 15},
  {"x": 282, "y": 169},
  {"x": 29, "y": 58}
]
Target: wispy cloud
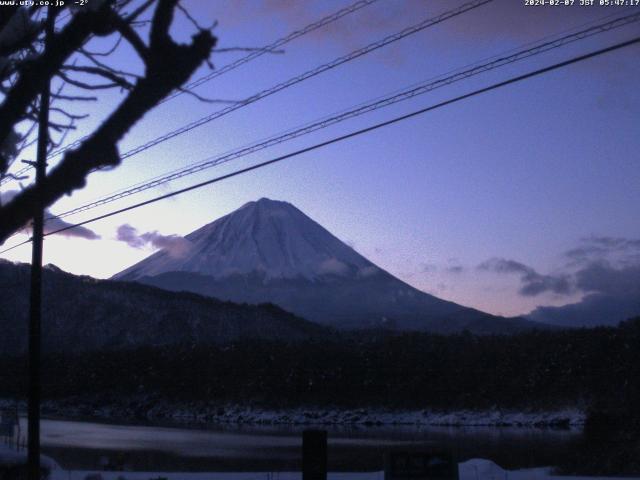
[
  {"x": 599, "y": 264},
  {"x": 333, "y": 266},
  {"x": 602, "y": 277},
  {"x": 53, "y": 222},
  {"x": 428, "y": 267},
  {"x": 455, "y": 269},
  {"x": 532, "y": 283},
  {"x": 603, "y": 248},
  {"x": 175, "y": 245}
]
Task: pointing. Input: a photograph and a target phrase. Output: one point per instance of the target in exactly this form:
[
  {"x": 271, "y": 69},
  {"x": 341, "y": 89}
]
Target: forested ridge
[
  {"x": 539, "y": 369},
  {"x": 593, "y": 369}
]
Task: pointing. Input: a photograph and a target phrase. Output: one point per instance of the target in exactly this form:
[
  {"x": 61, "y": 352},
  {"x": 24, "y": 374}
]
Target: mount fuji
[{"x": 269, "y": 251}]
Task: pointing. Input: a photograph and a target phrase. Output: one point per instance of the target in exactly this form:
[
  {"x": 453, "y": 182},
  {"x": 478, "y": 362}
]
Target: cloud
[
  {"x": 428, "y": 267},
  {"x": 615, "y": 243},
  {"x": 174, "y": 245},
  {"x": 55, "y": 223},
  {"x": 618, "y": 250},
  {"x": 333, "y": 266},
  {"x": 430, "y": 271},
  {"x": 602, "y": 277},
  {"x": 126, "y": 233},
  {"x": 455, "y": 269},
  {"x": 532, "y": 283},
  {"x": 594, "y": 309},
  {"x": 584, "y": 254},
  {"x": 368, "y": 271},
  {"x": 599, "y": 264},
  {"x": 502, "y": 265},
  {"x": 607, "y": 270},
  {"x": 52, "y": 222}
]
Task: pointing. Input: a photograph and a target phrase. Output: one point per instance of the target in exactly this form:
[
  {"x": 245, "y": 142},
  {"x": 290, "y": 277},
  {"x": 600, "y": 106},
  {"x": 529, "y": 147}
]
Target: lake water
[{"x": 87, "y": 445}]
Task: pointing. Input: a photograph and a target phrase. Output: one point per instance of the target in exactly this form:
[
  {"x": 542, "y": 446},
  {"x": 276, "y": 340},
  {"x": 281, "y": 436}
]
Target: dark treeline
[
  {"x": 542, "y": 369},
  {"x": 597, "y": 369}
]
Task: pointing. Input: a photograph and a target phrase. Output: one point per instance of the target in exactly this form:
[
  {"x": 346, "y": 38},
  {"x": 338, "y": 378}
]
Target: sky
[{"x": 484, "y": 202}]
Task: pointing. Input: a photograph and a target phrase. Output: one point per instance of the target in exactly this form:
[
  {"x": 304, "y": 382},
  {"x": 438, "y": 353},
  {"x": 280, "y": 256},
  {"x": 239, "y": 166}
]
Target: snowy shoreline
[{"x": 160, "y": 411}]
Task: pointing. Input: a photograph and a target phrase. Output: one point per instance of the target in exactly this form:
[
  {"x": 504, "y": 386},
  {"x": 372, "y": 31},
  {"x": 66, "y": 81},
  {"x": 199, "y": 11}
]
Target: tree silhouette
[{"x": 25, "y": 67}]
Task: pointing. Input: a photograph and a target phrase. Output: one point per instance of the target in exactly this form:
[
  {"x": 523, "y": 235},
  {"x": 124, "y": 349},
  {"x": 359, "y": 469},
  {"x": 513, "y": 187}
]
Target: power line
[
  {"x": 403, "y": 95},
  {"x": 273, "y": 46},
  {"x": 326, "y": 117},
  {"x": 362, "y": 131},
  {"x": 306, "y": 75},
  {"x": 22, "y": 171},
  {"x": 252, "y": 56},
  {"x": 354, "y": 7},
  {"x": 18, "y": 174},
  {"x": 459, "y": 74},
  {"x": 310, "y": 74}
]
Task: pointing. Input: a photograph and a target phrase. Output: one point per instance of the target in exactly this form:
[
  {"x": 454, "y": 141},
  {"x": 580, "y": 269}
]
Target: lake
[{"x": 88, "y": 445}]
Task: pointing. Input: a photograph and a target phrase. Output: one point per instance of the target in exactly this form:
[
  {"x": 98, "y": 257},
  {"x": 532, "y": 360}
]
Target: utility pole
[{"x": 35, "y": 313}]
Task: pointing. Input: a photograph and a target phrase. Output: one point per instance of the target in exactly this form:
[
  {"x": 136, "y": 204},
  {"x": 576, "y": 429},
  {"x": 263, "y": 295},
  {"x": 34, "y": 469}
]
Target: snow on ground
[
  {"x": 212, "y": 413},
  {"x": 481, "y": 469},
  {"x": 303, "y": 416},
  {"x": 9, "y": 456},
  {"x": 81, "y": 475},
  {"x": 206, "y": 413},
  {"x": 476, "y": 469}
]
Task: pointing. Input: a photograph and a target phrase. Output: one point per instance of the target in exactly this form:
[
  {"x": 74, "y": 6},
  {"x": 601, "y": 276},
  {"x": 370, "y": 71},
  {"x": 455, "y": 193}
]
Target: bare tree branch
[
  {"x": 33, "y": 74},
  {"x": 8, "y": 48},
  {"x": 6, "y": 13},
  {"x": 70, "y": 116},
  {"x": 63, "y": 137},
  {"x": 208, "y": 100},
  {"x": 105, "y": 73},
  {"x": 248, "y": 49},
  {"x": 138, "y": 11},
  {"x": 104, "y": 66},
  {"x": 104, "y": 54},
  {"x": 189, "y": 17},
  {"x": 132, "y": 37},
  {"x": 74, "y": 98},
  {"x": 169, "y": 65},
  {"x": 88, "y": 86}
]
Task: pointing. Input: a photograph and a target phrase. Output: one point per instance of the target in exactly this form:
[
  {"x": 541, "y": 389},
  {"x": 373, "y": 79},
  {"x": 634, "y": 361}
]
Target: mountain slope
[
  {"x": 271, "y": 238},
  {"x": 83, "y": 313},
  {"x": 269, "y": 251}
]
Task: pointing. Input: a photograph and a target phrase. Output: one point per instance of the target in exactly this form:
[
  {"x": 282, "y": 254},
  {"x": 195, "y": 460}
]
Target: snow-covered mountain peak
[
  {"x": 269, "y": 251},
  {"x": 265, "y": 237},
  {"x": 266, "y": 206}
]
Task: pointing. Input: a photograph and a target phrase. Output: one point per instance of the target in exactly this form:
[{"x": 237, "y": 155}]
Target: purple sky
[{"x": 525, "y": 173}]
